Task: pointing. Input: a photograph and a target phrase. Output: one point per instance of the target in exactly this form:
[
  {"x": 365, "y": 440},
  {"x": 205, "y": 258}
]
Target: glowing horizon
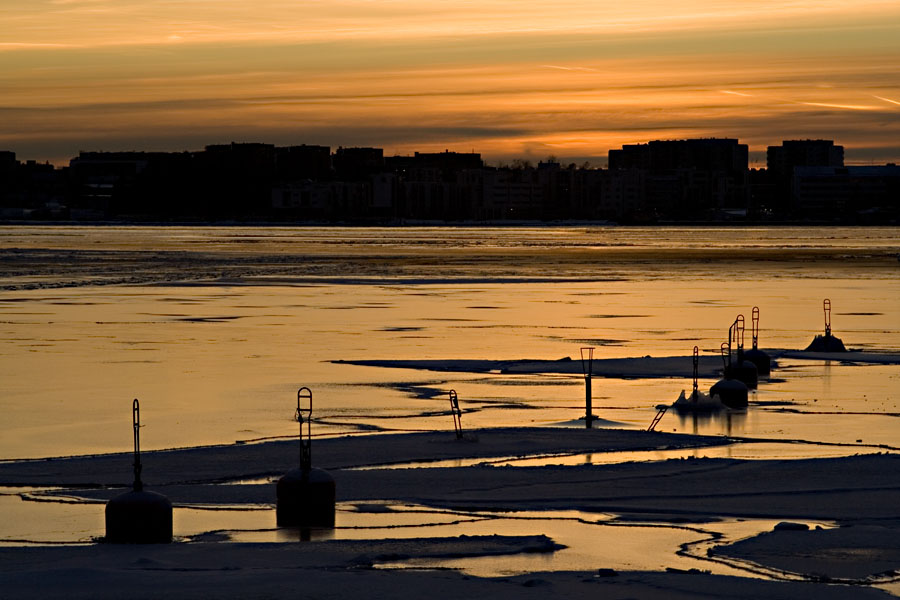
[{"x": 506, "y": 79}]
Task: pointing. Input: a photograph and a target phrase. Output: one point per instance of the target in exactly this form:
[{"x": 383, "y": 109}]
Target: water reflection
[
  {"x": 728, "y": 421},
  {"x": 304, "y": 534},
  {"x": 217, "y": 348}
]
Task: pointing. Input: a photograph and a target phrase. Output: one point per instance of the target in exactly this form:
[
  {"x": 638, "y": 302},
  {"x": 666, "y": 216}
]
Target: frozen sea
[{"x": 215, "y": 328}]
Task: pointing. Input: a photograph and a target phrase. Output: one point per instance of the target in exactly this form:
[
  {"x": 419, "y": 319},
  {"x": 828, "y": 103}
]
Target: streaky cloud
[
  {"x": 561, "y": 68},
  {"x": 887, "y": 100},
  {"x": 841, "y": 106}
]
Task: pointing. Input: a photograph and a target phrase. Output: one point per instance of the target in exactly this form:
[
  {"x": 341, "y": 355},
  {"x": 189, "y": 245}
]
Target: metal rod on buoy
[
  {"x": 741, "y": 369},
  {"x": 457, "y": 414},
  {"x": 827, "y": 342},
  {"x": 755, "y": 355},
  {"x": 138, "y": 516},
  {"x": 305, "y": 444},
  {"x": 695, "y": 395},
  {"x": 587, "y": 362},
  {"x": 136, "y": 421},
  {"x": 305, "y": 497},
  {"x": 731, "y": 338},
  {"x": 755, "y": 318}
]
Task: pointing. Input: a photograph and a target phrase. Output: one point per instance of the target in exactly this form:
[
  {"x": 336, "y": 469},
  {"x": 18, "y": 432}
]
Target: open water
[{"x": 215, "y": 328}]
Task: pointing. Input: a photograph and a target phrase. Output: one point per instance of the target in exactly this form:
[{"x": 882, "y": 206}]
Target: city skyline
[
  {"x": 707, "y": 179},
  {"x": 572, "y": 80}
]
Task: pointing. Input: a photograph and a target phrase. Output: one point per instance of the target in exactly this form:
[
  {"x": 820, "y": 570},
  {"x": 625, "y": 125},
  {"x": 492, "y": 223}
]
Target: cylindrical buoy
[
  {"x": 827, "y": 342},
  {"x": 139, "y": 517},
  {"x": 760, "y": 359},
  {"x": 305, "y": 499},
  {"x": 731, "y": 392},
  {"x": 744, "y": 371}
]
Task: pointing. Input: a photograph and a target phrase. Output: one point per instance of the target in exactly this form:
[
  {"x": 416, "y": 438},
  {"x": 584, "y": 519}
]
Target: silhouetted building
[
  {"x": 239, "y": 160},
  {"x": 688, "y": 179},
  {"x": 8, "y": 164},
  {"x": 236, "y": 179},
  {"x": 294, "y": 163},
  {"x": 437, "y": 186},
  {"x": 354, "y": 164},
  {"x": 134, "y": 185},
  {"x": 707, "y": 154},
  {"x": 702, "y": 179},
  {"x": 512, "y": 194},
  {"x": 307, "y": 199},
  {"x": 621, "y": 195},
  {"x": 866, "y": 194},
  {"x": 448, "y": 162},
  {"x": 781, "y": 160},
  {"x": 106, "y": 182}
]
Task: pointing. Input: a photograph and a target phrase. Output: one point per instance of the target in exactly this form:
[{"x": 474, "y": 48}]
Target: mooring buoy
[
  {"x": 587, "y": 367},
  {"x": 138, "y": 516},
  {"x": 731, "y": 392},
  {"x": 827, "y": 342},
  {"x": 742, "y": 370},
  {"x": 305, "y": 496}
]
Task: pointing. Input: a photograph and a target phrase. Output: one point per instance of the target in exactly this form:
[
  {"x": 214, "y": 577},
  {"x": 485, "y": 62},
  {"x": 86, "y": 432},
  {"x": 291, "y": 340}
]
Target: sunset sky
[{"x": 509, "y": 79}]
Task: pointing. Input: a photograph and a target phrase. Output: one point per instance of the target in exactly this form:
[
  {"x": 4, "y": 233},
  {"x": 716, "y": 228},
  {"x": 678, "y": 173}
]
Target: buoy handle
[{"x": 587, "y": 361}]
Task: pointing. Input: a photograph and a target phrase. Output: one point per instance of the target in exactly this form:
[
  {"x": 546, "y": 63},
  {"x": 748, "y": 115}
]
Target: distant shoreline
[{"x": 437, "y": 224}]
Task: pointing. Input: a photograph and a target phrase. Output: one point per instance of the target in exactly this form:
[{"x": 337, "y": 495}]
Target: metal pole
[
  {"x": 136, "y": 421},
  {"x": 827, "y": 306},
  {"x": 305, "y": 445},
  {"x": 587, "y": 360},
  {"x": 755, "y": 325},
  {"x": 457, "y": 414},
  {"x": 695, "y": 395}
]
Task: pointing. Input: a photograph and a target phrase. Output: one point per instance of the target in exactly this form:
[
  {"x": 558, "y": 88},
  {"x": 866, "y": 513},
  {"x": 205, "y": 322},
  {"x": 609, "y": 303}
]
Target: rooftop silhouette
[{"x": 691, "y": 180}]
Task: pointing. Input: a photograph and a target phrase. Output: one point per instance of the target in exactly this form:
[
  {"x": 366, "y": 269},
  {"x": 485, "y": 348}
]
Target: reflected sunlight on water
[{"x": 220, "y": 360}]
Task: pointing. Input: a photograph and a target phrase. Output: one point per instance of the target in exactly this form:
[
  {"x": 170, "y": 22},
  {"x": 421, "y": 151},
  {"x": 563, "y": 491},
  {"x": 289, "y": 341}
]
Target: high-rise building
[{"x": 781, "y": 160}]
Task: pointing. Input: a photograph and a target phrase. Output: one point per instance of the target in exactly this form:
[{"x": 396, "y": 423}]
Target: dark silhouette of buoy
[
  {"x": 755, "y": 355},
  {"x": 827, "y": 342},
  {"x": 695, "y": 393},
  {"x": 457, "y": 414},
  {"x": 731, "y": 392},
  {"x": 305, "y": 496},
  {"x": 587, "y": 362},
  {"x": 742, "y": 370},
  {"x": 697, "y": 402},
  {"x": 138, "y": 516}
]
